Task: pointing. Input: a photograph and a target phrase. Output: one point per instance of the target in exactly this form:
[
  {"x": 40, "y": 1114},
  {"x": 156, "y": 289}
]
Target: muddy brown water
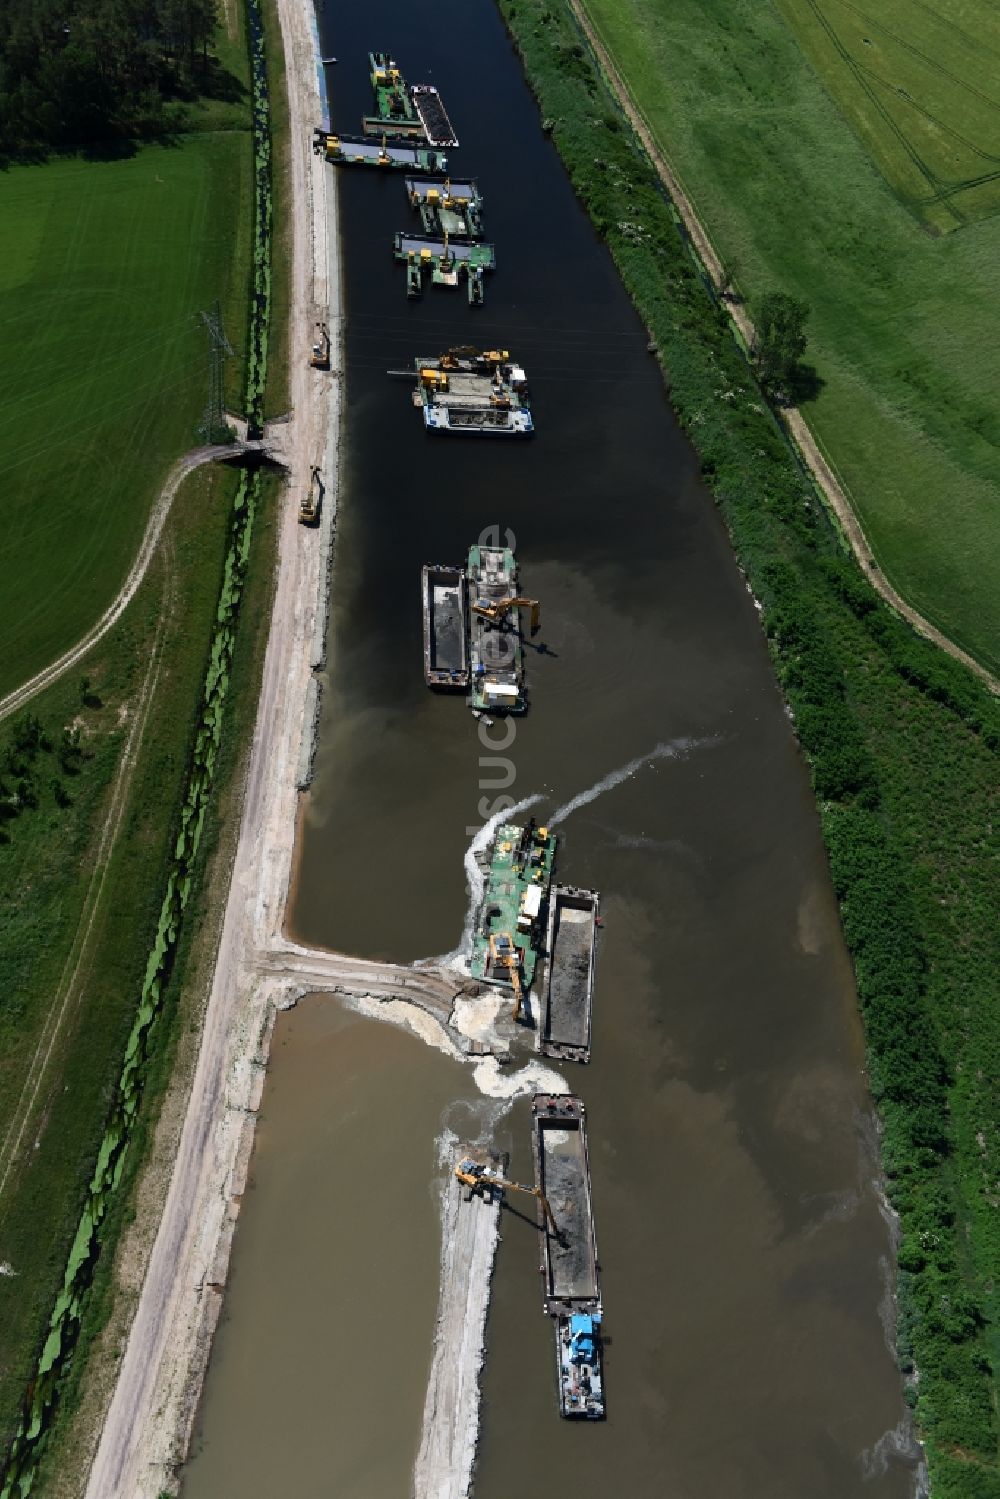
[
  {"x": 320, "y": 1361},
  {"x": 744, "y": 1256}
]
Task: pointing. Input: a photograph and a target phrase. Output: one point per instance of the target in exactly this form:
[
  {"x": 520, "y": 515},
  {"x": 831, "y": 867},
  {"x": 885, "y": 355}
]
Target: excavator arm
[
  {"x": 505, "y": 953},
  {"x": 479, "y": 1179},
  {"x": 500, "y": 607}
]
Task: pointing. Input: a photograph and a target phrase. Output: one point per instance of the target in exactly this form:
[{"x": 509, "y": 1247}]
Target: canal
[{"x": 745, "y": 1257}]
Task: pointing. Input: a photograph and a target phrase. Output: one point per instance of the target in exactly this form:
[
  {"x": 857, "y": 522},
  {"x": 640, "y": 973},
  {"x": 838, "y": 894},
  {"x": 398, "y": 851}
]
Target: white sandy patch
[
  {"x": 532, "y": 1078},
  {"x": 477, "y": 1018}
]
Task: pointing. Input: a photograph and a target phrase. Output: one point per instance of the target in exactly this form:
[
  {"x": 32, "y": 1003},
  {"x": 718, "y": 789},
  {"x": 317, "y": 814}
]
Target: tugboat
[{"x": 578, "y": 1355}]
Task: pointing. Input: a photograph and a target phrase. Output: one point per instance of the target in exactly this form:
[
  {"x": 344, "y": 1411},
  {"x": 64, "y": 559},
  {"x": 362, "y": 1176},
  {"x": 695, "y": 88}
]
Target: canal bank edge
[
  {"x": 852, "y": 673},
  {"x": 149, "y": 1421}
]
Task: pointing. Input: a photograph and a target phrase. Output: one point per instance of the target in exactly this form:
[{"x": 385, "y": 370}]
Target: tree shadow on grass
[
  {"x": 805, "y": 383},
  {"x": 216, "y": 82}
]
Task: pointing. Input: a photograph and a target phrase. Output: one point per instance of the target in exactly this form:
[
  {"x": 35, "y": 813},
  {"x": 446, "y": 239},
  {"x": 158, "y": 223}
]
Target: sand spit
[{"x": 470, "y": 1233}]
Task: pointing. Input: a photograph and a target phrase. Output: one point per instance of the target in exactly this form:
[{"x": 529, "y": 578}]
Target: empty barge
[
  {"x": 349, "y": 150},
  {"x": 568, "y": 992},
  {"x": 511, "y": 916},
  {"x": 446, "y": 206},
  {"x": 446, "y": 628},
  {"x": 444, "y": 262},
  {"x": 476, "y": 393},
  {"x": 496, "y": 649},
  {"x": 434, "y": 117},
  {"x": 569, "y": 1266}
]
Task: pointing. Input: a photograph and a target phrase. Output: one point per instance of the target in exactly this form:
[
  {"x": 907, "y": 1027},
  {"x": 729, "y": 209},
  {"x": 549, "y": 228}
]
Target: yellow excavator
[
  {"x": 496, "y": 610},
  {"x": 319, "y": 356},
  {"x": 504, "y": 953},
  {"x": 450, "y": 359},
  {"x": 478, "y": 1178}
]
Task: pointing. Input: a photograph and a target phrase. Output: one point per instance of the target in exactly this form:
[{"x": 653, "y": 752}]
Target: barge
[
  {"x": 569, "y": 1265},
  {"x": 446, "y": 628},
  {"x": 351, "y": 150},
  {"x": 394, "y": 108},
  {"x": 446, "y": 206},
  {"x": 444, "y": 262},
  {"x": 433, "y": 115},
  {"x": 467, "y": 392},
  {"x": 496, "y": 647},
  {"x": 568, "y": 992},
  {"x": 511, "y": 916}
]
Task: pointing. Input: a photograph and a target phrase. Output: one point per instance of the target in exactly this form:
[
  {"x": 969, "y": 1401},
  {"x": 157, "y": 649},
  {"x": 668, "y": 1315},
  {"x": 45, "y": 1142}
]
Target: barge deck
[
  {"x": 568, "y": 993},
  {"x": 517, "y": 885},
  {"x": 569, "y": 1265},
  {"x": 496, "y": 648},
  {"x": 446, "y": 627},
  {"x": 447, "y": 206},
  {"x": 353, "y": 150},
  {"x": 472, "y": 393},
  {"x": 445, "y": 262},
  {"x": 393, "y": 105}
]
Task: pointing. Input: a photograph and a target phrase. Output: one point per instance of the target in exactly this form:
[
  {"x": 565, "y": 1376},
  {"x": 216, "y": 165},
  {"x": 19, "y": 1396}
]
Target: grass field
[
  {"x": 905, "y": 324},
  {"x": 921, "y": 84},
  {"x": 104, "y": 268},
  {"x": 80, "y": 914}
]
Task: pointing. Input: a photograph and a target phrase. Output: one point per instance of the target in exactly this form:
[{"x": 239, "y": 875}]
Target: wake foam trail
[
  {"x": 475, "y": 879},
  {"x": 676, "y": 749}
]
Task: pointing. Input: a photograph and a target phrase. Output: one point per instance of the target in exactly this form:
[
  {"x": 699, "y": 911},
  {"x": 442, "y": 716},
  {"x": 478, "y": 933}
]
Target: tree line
[{"x": 90, "y": 73}]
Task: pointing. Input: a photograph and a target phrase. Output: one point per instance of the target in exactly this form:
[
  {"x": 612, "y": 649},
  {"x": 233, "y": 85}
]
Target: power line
[{"x": 214, "y": 427}]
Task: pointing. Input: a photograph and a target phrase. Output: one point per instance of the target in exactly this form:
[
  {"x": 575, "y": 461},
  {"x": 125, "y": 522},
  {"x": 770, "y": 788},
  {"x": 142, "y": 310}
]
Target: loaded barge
[
  {"x": 434, "y": 117},
  {"x": 444, "y": 262},
  {"x": 463, "y": 391},
  {"x": 446, "y": 628},
  {"x": 569, "y": 1266},
  {"x": 568, "y": 993},
  {"x": 510, "y": 921},
  {"x": 446, "y": 206}
]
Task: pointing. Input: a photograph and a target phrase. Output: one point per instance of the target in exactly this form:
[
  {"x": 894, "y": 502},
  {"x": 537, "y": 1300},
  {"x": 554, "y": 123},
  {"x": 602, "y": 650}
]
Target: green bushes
[{"x": 901, "y": 744}]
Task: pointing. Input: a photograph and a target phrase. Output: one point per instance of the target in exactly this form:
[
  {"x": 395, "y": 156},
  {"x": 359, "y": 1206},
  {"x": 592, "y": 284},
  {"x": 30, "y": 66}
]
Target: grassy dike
[
  {"x": 164, "y": 984},
  {"x": 904, "y": 751}
]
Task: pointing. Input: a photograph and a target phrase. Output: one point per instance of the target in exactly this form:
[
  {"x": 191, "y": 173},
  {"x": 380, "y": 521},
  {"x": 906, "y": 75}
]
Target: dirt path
[
  {"x": 795, "y": 422},
  {"x": 33, "y": 1099},
  {"x": 23, "y": 695}
]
